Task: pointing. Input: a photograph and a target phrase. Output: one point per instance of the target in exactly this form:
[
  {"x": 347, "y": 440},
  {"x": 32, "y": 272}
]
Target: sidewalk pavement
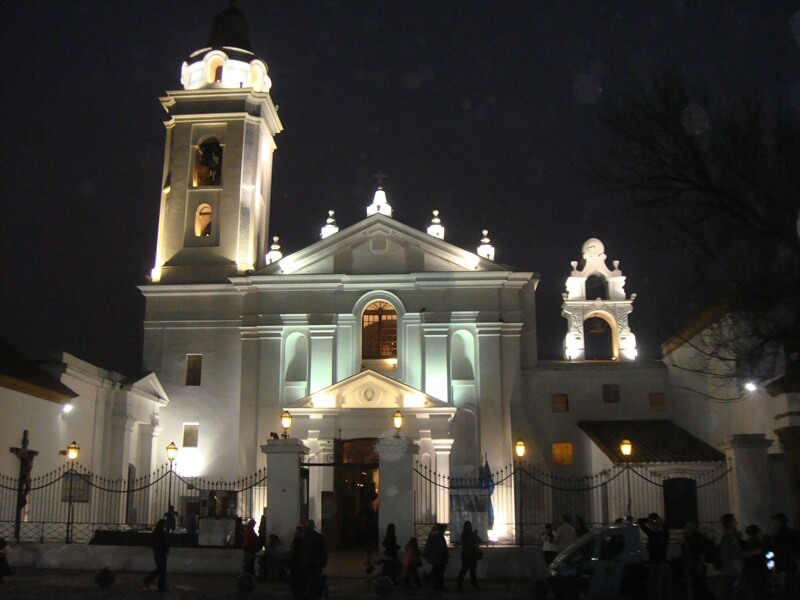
[{"x": 71, "y": 584}]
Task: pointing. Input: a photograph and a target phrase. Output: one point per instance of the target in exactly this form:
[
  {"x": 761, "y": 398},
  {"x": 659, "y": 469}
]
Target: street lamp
[
  {"x": 626, "y": 448},
  {"x": 397, "y": 419},
  {"x": 286, "y": 422},
  {"x": 172, "y": 453},
  {"x": 519, "y": 450},
  {"x": 72, "y": 452}
]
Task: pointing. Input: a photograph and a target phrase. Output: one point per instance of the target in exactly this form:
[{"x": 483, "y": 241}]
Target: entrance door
[{"x": 353, "y": 520}]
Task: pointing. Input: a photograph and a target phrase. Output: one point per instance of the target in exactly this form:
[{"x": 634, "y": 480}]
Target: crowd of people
[{"x": 753, "y": 566}]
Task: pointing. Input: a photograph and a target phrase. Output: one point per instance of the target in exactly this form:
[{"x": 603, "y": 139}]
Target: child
[
  {"x": 412, "y": 561},
  {"x": 4, "y": 568}
]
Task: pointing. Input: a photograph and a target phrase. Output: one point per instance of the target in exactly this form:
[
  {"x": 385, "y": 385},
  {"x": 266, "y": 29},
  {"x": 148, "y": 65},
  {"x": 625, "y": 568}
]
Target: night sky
[{"x": 483, "y": 110}]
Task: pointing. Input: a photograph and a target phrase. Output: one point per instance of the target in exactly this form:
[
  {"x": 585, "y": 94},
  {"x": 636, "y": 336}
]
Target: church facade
[{"x": 376, "y": 332}]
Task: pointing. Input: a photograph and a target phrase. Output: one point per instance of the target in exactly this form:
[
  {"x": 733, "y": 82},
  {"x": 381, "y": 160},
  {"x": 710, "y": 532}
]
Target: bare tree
[{"x": 713, "y": 170}]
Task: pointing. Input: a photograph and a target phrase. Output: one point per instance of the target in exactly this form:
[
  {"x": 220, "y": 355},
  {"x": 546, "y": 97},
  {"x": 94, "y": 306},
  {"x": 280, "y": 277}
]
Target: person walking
[
  {"x": 755, "y": 574},
  {"x": 694, "y": 548},
  {"x": 470, "y": 554},
  {"x": 160, "y": 546},
  {"x": 412, "y": 562},
  {"x": 298, "y": 568},
  {"x": 659, "y": 574},
  {"x": 437, "y": 554},
  {"x": 171, "y": 517},
  {"x": 730, "y": 557},
  {"x": 390, "y": 565},
  {"x": 316, "y": 558},
  {"x": 250, "y": 547},
  {"x": 786, "y": 546},
  {"x": 565, "y": 534},
  {"x": 548, "y": 544}
]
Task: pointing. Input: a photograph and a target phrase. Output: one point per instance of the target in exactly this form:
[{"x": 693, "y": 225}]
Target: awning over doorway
[{"x": 654, "y": 441}]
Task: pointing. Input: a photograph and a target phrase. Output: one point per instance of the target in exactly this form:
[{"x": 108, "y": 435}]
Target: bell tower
[
  {"x": 215, "y": 193},
  {"x": 597, "y": 308}
]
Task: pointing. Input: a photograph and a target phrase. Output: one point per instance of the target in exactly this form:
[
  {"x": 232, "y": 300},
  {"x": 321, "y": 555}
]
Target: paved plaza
[{"x": 52, "y": 583}]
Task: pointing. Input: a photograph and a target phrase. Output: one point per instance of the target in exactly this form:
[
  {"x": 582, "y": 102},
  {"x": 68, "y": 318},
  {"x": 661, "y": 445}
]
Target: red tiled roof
[
  {"x": 23, "y": 375},
  {"x": 654, "y": 441}
]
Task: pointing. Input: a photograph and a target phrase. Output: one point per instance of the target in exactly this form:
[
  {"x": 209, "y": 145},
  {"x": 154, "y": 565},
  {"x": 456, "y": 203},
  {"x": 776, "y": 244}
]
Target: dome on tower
[
  {"x": 228, "y": 60},
  {"x": 230, "y": 29}
]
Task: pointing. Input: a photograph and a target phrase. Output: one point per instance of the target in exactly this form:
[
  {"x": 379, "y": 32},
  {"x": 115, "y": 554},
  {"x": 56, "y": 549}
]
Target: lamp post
[
  {"x": 397, "y": 419},
  {"x": 172, "y": 453},
  {"x": 519, "y": 450},
  {"x": 626, "y": 448},
  {"x": 72, "y": 452},
  {"x": 286, "y": 423}
]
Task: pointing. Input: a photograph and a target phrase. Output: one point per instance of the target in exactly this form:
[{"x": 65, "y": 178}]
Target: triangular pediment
[
  {"x": 148, "y": 386},
  {"x": 380, "y": 245},
  {"x": 368, "y": 390}
]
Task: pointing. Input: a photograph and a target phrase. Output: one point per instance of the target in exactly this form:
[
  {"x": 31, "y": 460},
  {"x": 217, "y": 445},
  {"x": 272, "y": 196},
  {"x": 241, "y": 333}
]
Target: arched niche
[
  {"x": 296, "y": 358},
  {"x": 462, "y": 356}
]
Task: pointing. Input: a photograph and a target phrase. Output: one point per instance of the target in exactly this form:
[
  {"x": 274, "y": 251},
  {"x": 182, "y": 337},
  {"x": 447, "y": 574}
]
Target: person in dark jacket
[
  {"x": 160, "y": 545},
  {"x": 787, "y": 550},
  {"x": 390, "y": 565},
  {"x": 315, "y": 559},
  {"x": 250, "y": 547},
  {"x": 659, "y": 575},
  {"x": 694, "y": 548},
  {"x": 470, "y": 554},
  {"x": 437, "y": 554}
]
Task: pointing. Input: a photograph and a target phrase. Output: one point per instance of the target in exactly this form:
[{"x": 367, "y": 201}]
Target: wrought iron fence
[
  {"x": 73, "y": 504},
  {"x": 524, "y": 498}
]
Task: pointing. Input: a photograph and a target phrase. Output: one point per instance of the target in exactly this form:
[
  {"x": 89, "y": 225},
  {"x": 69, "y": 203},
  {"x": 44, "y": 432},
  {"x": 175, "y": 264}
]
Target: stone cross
[{"x": 25, "y": 456}]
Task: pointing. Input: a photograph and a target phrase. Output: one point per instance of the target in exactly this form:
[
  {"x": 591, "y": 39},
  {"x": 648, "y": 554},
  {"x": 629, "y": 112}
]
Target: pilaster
[
  {"x": 284, "y": 486},
  {"x": 396, "y": 456},
  {"x": 748, "y": 481},
  {"x": 790, "y": 441}
]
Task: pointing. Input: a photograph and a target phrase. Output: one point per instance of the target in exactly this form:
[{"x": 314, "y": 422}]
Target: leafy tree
[{"x": 713, "y": 170}]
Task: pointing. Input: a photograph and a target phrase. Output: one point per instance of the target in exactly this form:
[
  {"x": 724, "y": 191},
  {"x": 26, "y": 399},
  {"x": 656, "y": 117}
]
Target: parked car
[{"x": 604, "y": 563}]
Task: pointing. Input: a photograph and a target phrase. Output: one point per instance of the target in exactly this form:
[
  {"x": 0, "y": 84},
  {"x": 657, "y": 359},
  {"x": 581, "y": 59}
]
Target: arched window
[
  {"x": 256, "y": 77},
  {"x": 208, "y": 163},
  {"x": 379, "y": 331},
  {"x": 215, "y": 69},
  {"x": 203, "y": 220}
]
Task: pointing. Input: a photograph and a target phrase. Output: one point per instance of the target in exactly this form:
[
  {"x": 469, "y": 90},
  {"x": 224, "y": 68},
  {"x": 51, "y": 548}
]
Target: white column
[
  {"x": 396, "y": 456},
  {"x": 284, "y": 486},
  {"x": 748, "y": 457},
  {"x": 442, "y": 467}
]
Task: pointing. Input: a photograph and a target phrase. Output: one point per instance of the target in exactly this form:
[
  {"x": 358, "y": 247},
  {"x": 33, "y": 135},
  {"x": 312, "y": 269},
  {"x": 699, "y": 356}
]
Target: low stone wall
[{"x": 497, "y": 563}]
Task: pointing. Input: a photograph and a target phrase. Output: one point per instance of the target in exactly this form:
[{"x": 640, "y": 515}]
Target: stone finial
[
  {"x": 274, "y": 253},
  {"x": 330, "y": 226},
  {"x": 486, "y": 250},
  {"x": 436, "y": 229}
]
